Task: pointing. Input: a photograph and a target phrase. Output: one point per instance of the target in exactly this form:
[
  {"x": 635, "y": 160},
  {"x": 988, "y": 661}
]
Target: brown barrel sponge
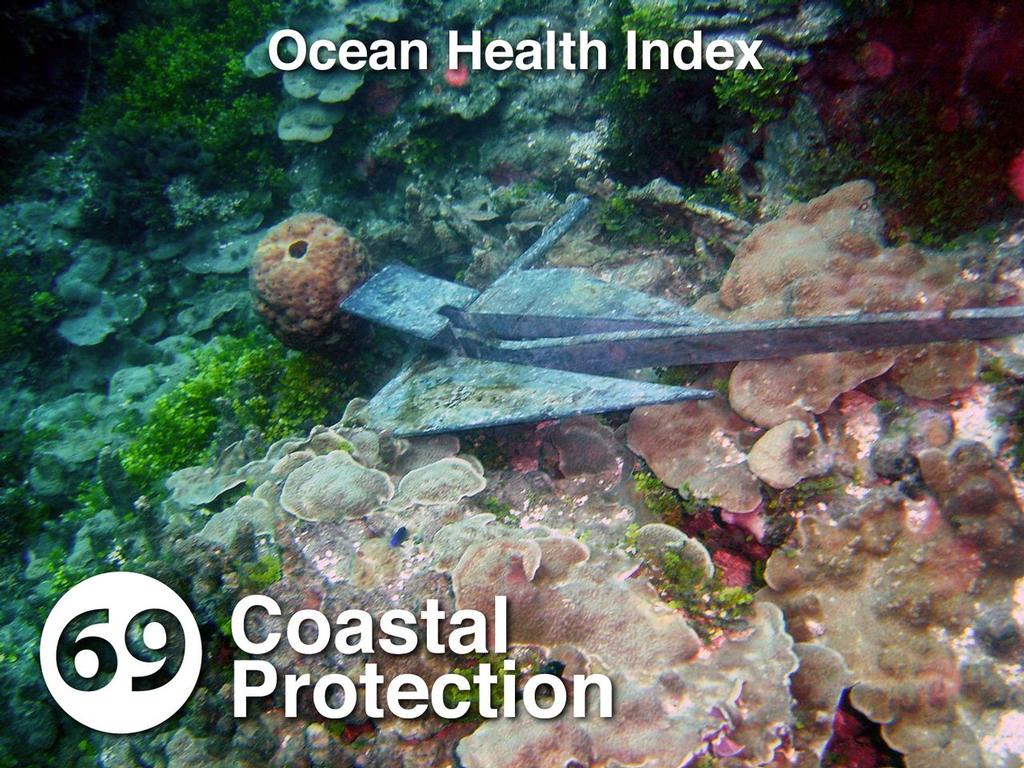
[{"x": 301, "y": 271}]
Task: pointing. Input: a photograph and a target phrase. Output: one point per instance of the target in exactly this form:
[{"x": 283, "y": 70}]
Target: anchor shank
[{"x": 727, "y": 342}]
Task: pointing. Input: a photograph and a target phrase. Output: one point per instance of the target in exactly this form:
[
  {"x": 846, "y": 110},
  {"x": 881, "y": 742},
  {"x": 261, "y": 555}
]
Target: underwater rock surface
[{"x": 820, "y": 566}]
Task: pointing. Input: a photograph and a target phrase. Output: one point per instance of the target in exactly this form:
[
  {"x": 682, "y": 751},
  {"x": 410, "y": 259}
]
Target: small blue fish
[{"x": 399, "y": 536}]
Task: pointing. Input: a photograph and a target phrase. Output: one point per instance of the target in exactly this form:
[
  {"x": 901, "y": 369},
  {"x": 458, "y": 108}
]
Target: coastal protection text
[{"x": 490, "y": 691}]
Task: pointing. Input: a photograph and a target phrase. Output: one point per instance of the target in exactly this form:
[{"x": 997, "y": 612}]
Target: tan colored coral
[
  {"x": 222, "y": 528},
  {"x": 376, "y": 564},
  {"x": 671, "y": 704},
  {"x": 589, "y": 606},
  {"x": 416, "y": 452},
  {"x": 937, "y": 369},
  {"x": 978, "y": 501},
  {"x": 769, "y": 392},
  {"x": 800, "y": 242},
  {"x": 786, "y": 454},
  {"x": 445, "y": 481},
  {"x": 585, "y": 446},
  {"x": 334, "y": 487},
  {"x": 828, "y": 257},
  {"x": 817, "y": 685},
  {"x": 894, "y": 589},
  {"x": 301, "y": 271},
  {"x": 697, "y": 444},
  {"x": 558, "y": 600}
]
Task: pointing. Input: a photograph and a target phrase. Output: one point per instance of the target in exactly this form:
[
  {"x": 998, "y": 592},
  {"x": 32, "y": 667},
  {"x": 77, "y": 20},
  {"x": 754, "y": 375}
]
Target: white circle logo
[{"x": 120, "y": 652}]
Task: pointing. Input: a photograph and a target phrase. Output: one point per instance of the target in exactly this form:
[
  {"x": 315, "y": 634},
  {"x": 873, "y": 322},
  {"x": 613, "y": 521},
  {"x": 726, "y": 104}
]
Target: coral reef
[
  {"x": 314, "y": 122},
  {"x": 498, "y": 123},
  {"x": 827, "y": 257},
  {"x": 700, "y": 445},
  {"x": 301, "y": 271},
  {"x": 823, "y": 566},
  {"x": 590, "y": 607},
  {"x": 931, "y": 576}
]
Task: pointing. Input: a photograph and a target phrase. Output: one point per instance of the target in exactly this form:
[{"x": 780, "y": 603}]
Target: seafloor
[{"x": 823, "y": 565}]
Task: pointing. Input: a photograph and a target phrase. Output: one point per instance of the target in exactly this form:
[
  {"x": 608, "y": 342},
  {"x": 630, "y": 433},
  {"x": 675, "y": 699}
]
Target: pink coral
[
  {"x": 878, "y": 60},
  {"x": 1017, "y": 175},
  {"x": 458, "y": 77}
]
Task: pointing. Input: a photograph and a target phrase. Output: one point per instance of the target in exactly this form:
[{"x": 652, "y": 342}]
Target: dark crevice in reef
[{"x": 857, "y": 742}]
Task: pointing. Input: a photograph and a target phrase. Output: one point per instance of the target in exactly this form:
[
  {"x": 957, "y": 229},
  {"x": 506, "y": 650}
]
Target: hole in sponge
[{"x": 298, "y": 249}]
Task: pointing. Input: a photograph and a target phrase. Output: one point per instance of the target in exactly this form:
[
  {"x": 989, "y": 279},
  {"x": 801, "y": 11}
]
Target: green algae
[
  {"x": 710, "y": 605},
  {"x": 1010, "y": 391},
  {"x": 22, "y": 511},
  {"x": 760, "y": 95},
  {"x": 724, "y": 189},
  {"x": 624, "y": 223},
  {"x": 182, "y": 72},
  {"x": 942, "y": 182},
  {"x": 453, "y": 696},
  {"x": 176, "y": 89},
  {"x": 667, "y": 504},
  {"x": 250, "y": 382},
  {"x": 257, "y": 576},
  {"x": 647, "y": 128},
  {"x": 30, "y": 309},
  {"x": 502, "y": 512}
]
